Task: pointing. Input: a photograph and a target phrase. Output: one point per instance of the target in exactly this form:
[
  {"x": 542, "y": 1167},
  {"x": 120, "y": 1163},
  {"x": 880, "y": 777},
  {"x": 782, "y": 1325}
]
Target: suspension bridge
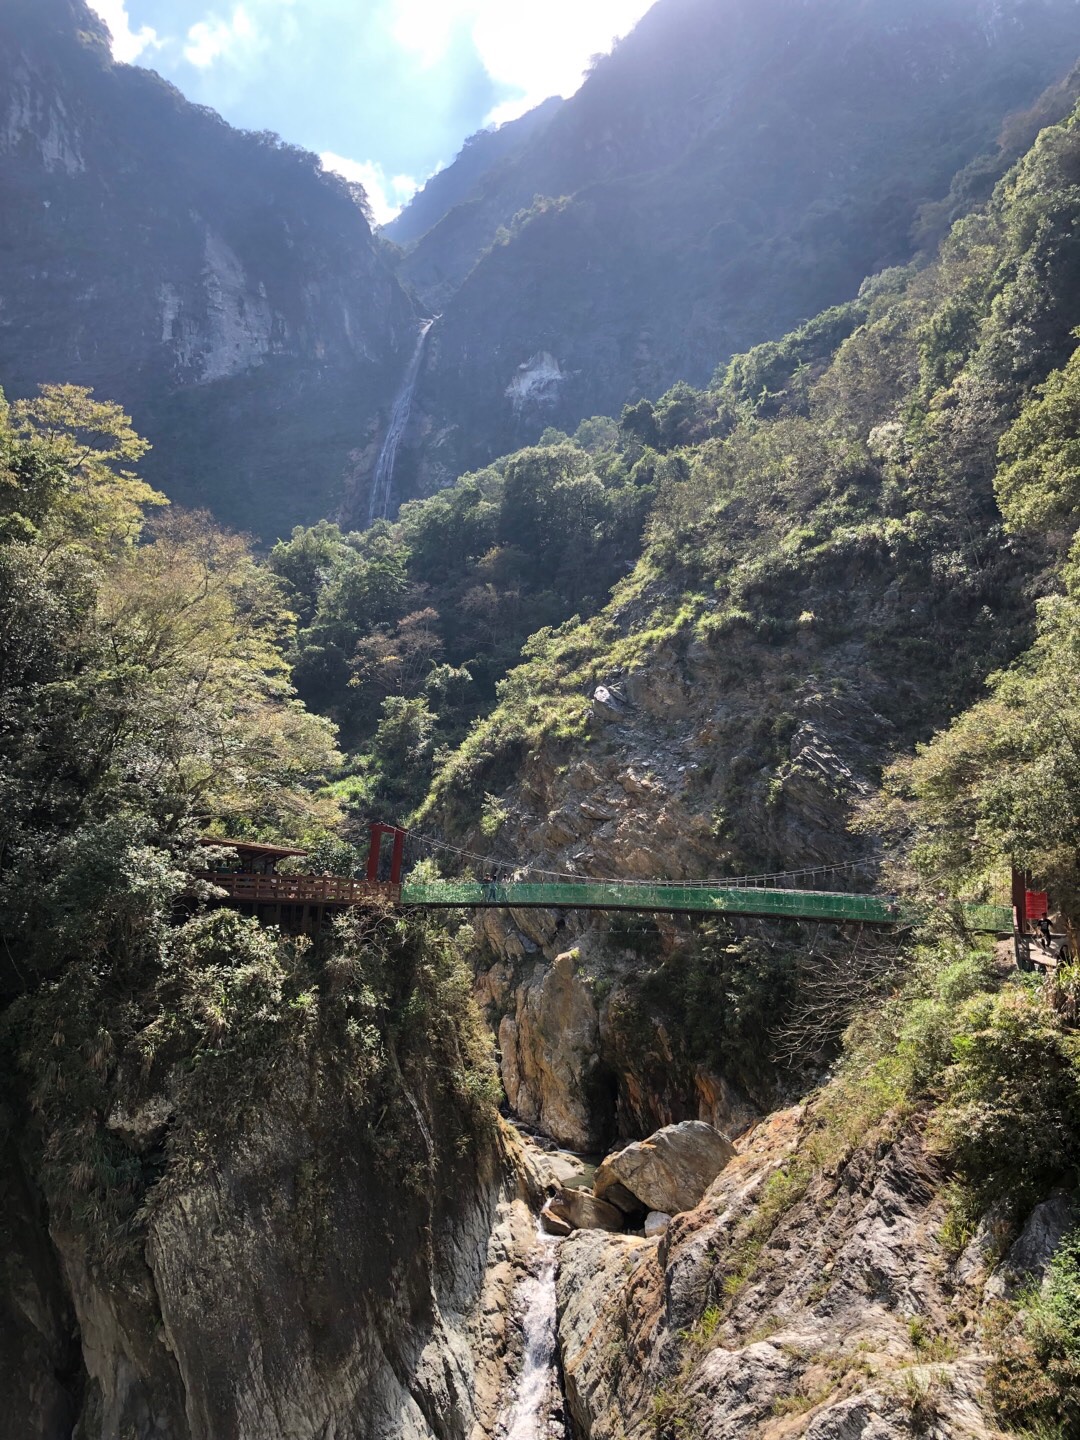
[{"x": 494, "y": 884}]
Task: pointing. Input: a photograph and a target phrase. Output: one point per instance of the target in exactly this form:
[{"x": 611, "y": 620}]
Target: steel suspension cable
[{"x": 770, "y": 880}]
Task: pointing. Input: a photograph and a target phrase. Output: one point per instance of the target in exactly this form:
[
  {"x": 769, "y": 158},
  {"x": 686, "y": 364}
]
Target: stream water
[
  {"x": 535, "y": 1409},
  {"x": 383, "y": 479}
]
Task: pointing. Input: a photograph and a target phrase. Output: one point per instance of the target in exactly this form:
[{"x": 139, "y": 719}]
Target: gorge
[{"x": 722, "y": 524}]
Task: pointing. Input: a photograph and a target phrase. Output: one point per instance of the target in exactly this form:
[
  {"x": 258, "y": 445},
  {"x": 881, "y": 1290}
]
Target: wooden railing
[{"x": 299, "y": 889}]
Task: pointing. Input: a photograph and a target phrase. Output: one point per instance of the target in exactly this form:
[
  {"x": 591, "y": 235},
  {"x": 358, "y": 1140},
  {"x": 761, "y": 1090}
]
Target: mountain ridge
[{"x": 701, "y": 218}]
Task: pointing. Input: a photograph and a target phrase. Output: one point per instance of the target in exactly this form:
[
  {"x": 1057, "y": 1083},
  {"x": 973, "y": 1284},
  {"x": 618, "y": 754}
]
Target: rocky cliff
[
  {"x": 280, "y": 1210},
  {"x": 842, "y": 1313},
  {"x": 217, "y": 284},
  {"x": 617, "y": 1025}
]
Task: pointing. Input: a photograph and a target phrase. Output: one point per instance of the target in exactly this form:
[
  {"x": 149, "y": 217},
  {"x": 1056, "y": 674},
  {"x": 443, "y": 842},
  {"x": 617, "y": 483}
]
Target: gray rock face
[
  {"x": 39, "y": 1356},
  {"x": 548, "y": 1048},
  {"x": 595, "y": 1271},
  {"x": 671, "y": 1170},
  {"x": 816, "y": 1341},
  {"x": 641, "y": 804},
  {"x": 289, "y": 1284},
  {"x": 1033, "y": 1250}
]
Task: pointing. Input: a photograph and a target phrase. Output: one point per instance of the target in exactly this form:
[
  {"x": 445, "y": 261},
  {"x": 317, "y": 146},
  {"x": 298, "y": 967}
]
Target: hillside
[
  {"x": 728, "y": 171},
  {"x": 221, "y": 287},
  {"x": 707, "y": 188},
  {"x": 827, "y": 578},
  {"x": 483, "y": 153}
]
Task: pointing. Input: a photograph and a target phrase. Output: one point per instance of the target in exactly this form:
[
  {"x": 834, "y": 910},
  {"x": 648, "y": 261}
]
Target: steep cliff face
[
  {"x": 218, "y": 284},
  {"x": 283, "y": 1208},
  {"x": 291, "y": 1289},
  {"x": 661, "y": 785},
  {"x": 40, "y": 1364},
  {"x": 850, "y": 1318},
  {"x": 729, "y": 170}
]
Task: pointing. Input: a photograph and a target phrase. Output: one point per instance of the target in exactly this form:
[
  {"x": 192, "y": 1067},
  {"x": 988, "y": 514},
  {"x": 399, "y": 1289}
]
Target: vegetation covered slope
[
  {"x": 873, "y": 550},
  {"x": 729, "y": 170},
  {"x": 406, "y": 630},
  {"x": 837, "y": 543},
  {"x": 856, "y": 527},
  {"x": 215, "y": 1137}
]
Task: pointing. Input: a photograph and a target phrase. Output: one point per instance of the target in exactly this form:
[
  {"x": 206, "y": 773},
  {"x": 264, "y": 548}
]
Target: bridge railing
[
  {"x": 298, "y": 889},
  {"x": 693, "y": 898}
]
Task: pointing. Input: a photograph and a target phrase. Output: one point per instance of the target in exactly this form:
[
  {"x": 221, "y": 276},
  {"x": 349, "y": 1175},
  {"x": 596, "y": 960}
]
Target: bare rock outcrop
[
  {"x": 384, "y": 1317},
  {"x": 291, "y": 1278},
  {"x": 841, "y": 1319},
  {"x": 584, "y": 1055},
  {"x": 549, "y": 1047},
  {"x": 39, "y": 1355}
]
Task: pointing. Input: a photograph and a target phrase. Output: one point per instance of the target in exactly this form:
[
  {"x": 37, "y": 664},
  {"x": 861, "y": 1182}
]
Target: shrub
[
  {"x": 1035, "y": 1376},
  {"x": 1011, "y": 1120}
]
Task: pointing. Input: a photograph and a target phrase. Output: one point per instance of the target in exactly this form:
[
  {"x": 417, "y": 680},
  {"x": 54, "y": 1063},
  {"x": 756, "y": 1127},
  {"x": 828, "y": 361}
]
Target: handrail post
[
  {"x": 397, "y": 859},
  {"x": 376, "y": 831},
  {"x": 1021, "y": 943}
]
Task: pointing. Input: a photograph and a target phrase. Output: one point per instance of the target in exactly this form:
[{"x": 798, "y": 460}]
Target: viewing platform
[{"x": 298, "y": 903}]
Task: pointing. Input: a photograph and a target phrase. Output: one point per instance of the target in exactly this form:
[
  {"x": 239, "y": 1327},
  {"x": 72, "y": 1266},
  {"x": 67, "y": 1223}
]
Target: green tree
[
  {"x": 1001, "y": 785},
  {"x": 1039, "y": 483},
  {"x": 143, "y": 692},
  {"x": 65, "y": 471}
]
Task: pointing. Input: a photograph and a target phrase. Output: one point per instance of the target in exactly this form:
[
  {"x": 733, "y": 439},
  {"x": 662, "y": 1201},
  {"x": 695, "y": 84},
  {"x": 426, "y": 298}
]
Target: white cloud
[
  {"x": 387, "y": 194},
  {"x": 536, "y": 50},
  {"x": 215, "y": 39},
  {"x": 127, "y": 44}
]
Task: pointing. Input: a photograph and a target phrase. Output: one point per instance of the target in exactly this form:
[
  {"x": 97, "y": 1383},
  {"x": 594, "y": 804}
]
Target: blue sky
[{"x": 384, "y": 90}]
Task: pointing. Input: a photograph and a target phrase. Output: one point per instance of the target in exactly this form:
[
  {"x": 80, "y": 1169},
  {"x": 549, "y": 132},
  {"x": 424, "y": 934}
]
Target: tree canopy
[{"x": 144, "y": 690}]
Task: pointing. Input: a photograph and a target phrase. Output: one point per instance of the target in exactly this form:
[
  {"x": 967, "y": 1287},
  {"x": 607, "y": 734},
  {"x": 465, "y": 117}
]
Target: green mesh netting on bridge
[{"x": 691, "y": 899}]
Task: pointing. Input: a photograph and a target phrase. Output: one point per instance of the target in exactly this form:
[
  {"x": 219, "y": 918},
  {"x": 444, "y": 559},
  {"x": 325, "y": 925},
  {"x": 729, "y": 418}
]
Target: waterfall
[
  {"x": 535, "y": 1411},
  {"x": 382, "y": 480}
]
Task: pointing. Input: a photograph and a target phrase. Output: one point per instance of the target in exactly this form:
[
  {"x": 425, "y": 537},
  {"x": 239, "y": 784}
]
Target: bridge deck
[{"x": 690, "y": 899}]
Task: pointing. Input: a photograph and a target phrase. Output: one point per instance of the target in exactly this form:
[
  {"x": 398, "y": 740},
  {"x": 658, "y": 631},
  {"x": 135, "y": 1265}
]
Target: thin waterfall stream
[
  {"x": 382, "y": 480},
  {"x": 535, "y": 1409}
]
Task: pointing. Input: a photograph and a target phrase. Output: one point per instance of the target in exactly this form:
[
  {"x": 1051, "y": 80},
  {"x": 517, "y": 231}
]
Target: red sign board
[{"x": 1035, "y": 903}]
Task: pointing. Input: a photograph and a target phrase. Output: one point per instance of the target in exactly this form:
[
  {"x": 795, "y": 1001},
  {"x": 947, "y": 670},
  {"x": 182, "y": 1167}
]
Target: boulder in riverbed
[
  {"x": 579, "y": 1210},
  {"x": 554, "y": 1224},
  {"x": 671, "y": 1170}
]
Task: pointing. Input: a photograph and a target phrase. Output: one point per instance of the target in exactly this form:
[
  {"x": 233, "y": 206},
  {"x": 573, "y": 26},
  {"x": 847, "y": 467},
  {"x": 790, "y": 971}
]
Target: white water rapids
[
  {"x": 382, "y": 480},
  {"x": 535, "y": 1409}
]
